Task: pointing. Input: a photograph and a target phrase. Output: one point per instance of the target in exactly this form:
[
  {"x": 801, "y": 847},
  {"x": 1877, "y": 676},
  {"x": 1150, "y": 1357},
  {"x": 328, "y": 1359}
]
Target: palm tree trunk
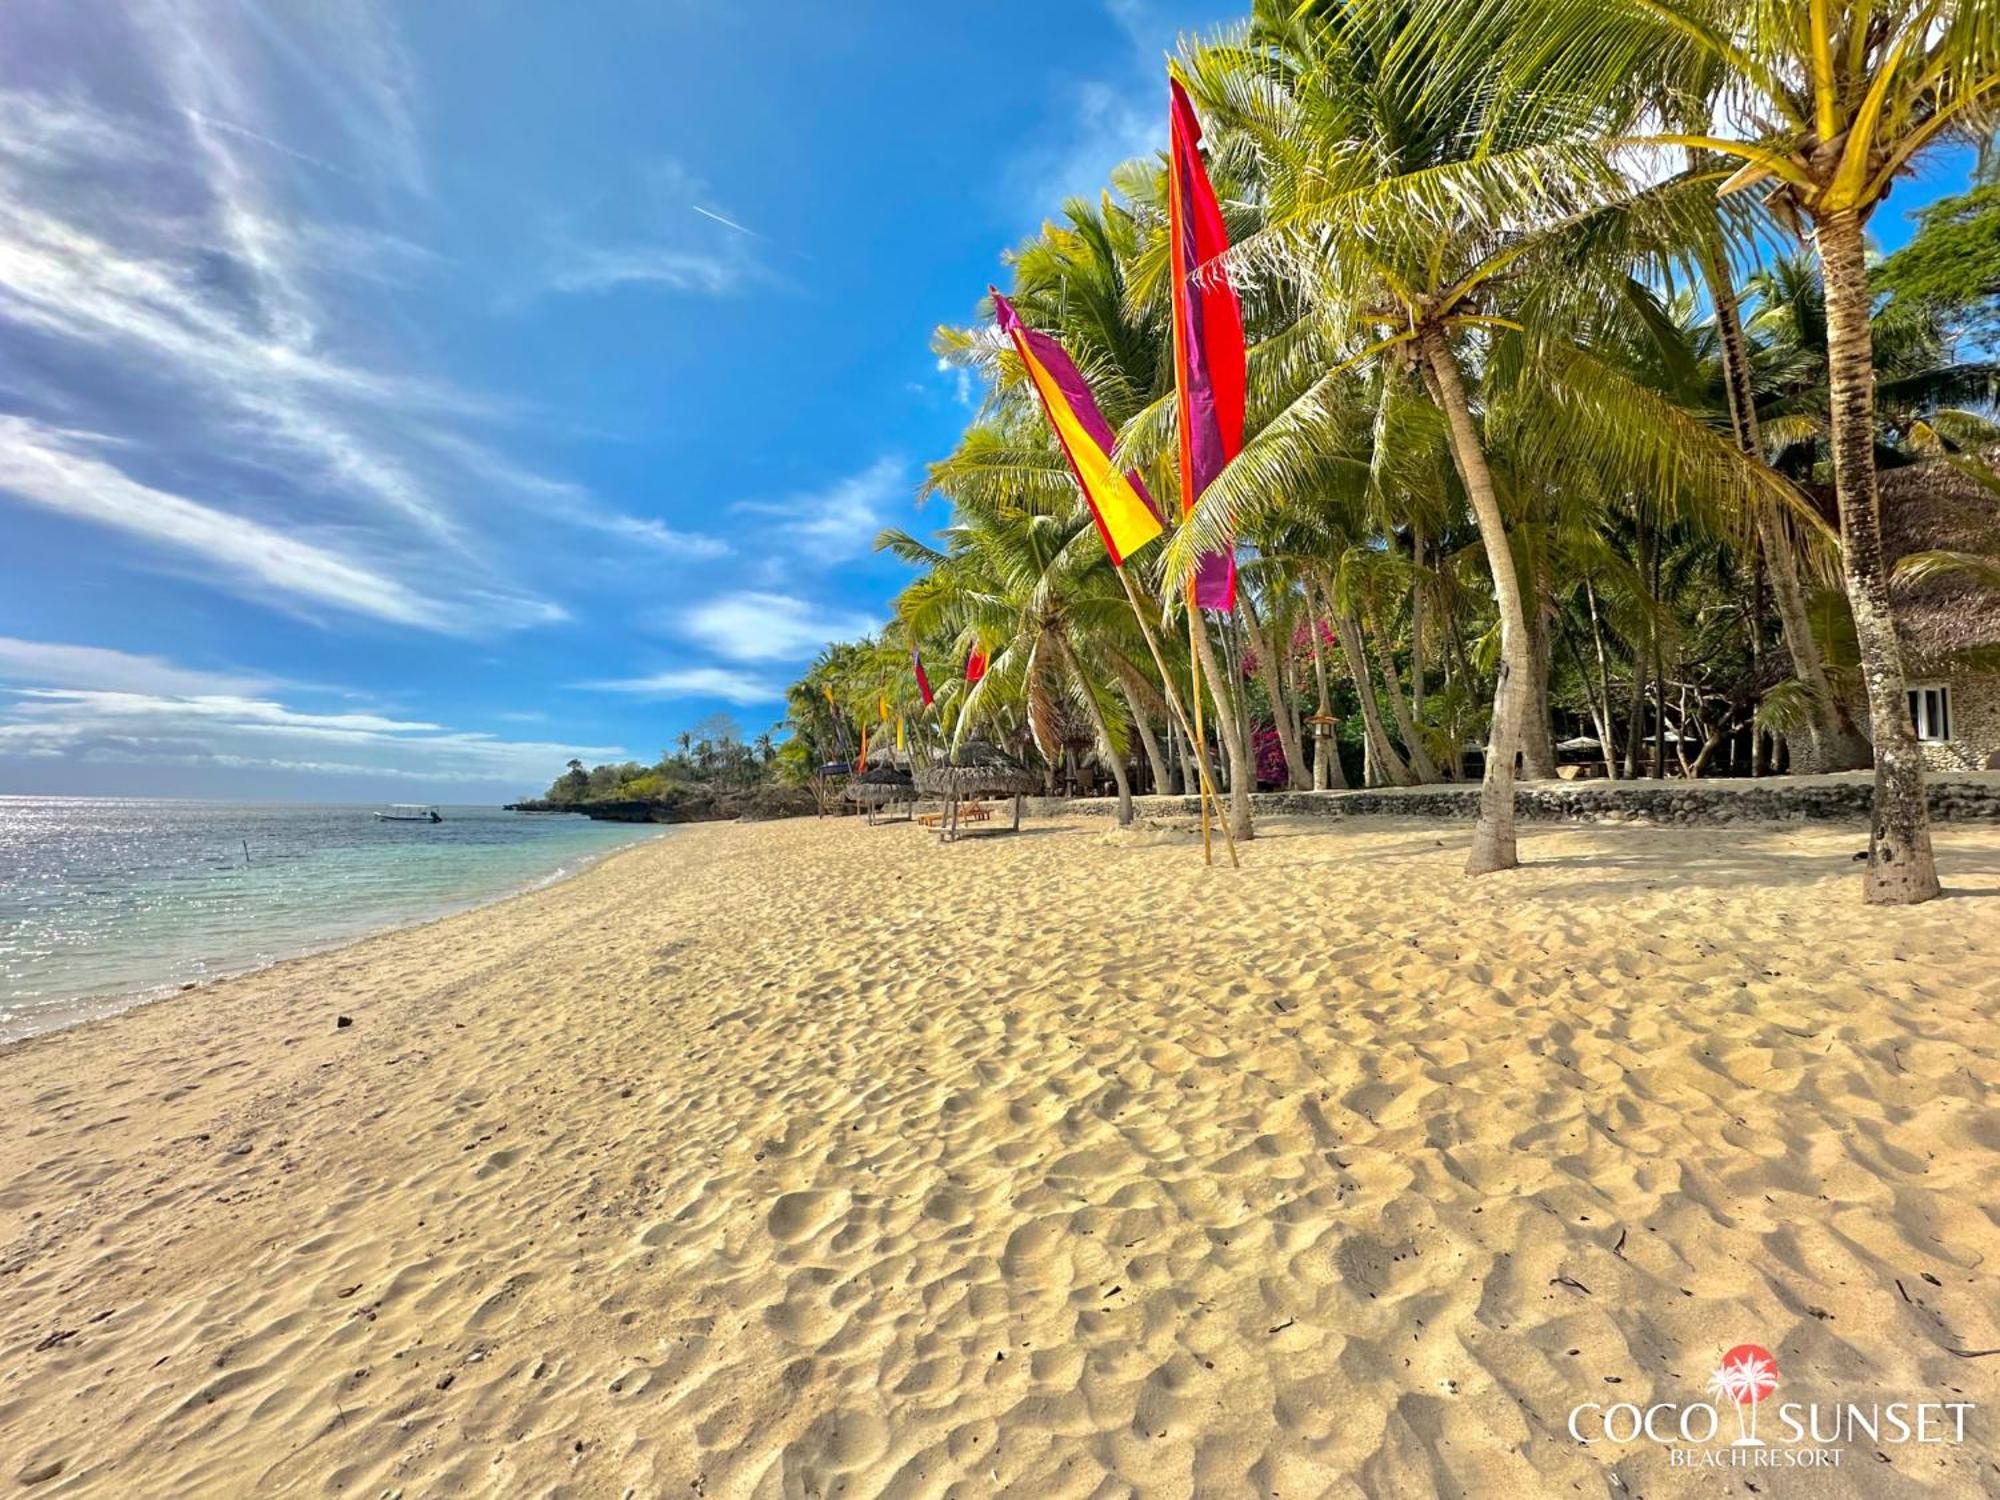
[
  {"x": 1421, "y": 765},
  {"x": 1493, "y": 845},
  {"x": 1128, "y": 687},
  {"x": 1837, "y": 745},
  {"x": 1538, "y": 741},
  {"x": 1241, "y": 776},
  {"x": 1327, "y": 772},
  {"x": 1635, "y": 737},
  {"x": 1109, "y": 752},
  {"x": 1606, "y": 732},
  {"x": 1900, "y": 867},
  {"x": 1297, "y": 777},
  {"x": 1417, "y": 621},
  {"x": 1288, "y": 679},
  {"x": 1389, "y": 766}
]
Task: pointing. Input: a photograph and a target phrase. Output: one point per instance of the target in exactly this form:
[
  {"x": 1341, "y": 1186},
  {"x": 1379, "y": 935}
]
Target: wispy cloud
[
  {"x": 247, "y": 732},
  {"x": 753, "y": 626},
  {"x": 604, "y": 270},
  {"x": 57, "y": 664},
  {"x": 577, "y": 504},
  {"x": 1107, "y": 119},
  {"x": 169, "y": 278},
  {"x": 840, "y": 520},
  {"x": 727, "y": 683},
  {"x": 52, "y": 468},
  {"x": 653, "y": 244}
]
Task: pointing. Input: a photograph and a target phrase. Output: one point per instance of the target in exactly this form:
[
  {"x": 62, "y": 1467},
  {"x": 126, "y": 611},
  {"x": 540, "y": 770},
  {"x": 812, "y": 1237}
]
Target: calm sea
[{"x": 106, "y": 901}]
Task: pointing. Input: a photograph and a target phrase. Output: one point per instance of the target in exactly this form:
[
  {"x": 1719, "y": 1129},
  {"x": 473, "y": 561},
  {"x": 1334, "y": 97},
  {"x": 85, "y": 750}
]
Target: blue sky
[{"x": 398, "y": 399}]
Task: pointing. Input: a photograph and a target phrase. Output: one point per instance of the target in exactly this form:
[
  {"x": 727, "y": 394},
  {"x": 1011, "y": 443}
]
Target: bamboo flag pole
[
  {"x": 1124, "y": 513},
  {"x": 1200, "y": 751},
  {"x": 1194, "y": 684}
]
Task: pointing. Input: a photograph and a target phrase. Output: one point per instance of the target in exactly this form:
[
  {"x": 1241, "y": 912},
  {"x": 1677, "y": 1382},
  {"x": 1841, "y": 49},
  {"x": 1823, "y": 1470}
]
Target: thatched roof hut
[
  {"x": 977, "y": 768},
  {"x": 1933, "y": 506},
  {"x": 882, "y": 785}
]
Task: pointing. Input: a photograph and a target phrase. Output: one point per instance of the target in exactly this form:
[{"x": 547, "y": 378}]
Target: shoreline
[
  {"x": 114, "y": 1004},
  {"x": 809, "y": 1157}
]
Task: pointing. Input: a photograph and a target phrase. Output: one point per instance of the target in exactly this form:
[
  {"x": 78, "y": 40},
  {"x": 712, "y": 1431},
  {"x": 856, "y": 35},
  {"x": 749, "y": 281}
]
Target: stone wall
[
  {"x": 1776, "y": 799},
  {"x": 1975, "y": 720}
]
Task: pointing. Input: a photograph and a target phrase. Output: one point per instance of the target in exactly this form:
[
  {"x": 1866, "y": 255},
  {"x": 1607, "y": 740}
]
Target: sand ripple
[{"x": 814, "y": 1160}]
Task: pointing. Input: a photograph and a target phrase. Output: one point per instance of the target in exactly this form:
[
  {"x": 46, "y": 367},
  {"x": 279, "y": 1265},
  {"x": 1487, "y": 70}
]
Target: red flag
[
  {"x": 923, "y": 682},
  {"x": 1209, "y": 373},
  {"x": 975, "y": 664}
]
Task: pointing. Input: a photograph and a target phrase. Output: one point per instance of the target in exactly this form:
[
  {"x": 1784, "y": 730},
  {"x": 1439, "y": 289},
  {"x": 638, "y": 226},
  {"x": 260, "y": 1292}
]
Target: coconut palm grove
[{"x": 1571, "y": 399}]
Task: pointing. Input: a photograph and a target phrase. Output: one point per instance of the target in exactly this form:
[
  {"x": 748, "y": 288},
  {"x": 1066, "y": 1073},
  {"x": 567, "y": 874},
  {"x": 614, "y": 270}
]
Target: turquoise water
[{"x": 107, "y": 901}]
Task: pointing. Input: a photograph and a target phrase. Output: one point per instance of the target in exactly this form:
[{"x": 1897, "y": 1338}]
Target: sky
[{"x": 398, "y": 400}]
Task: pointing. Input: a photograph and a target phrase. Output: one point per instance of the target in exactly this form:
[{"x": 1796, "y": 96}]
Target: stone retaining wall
[{"x": 1973, "y": 797}]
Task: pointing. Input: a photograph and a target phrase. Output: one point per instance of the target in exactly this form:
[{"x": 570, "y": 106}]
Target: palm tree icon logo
[{"x": 1745, "y": 1377}]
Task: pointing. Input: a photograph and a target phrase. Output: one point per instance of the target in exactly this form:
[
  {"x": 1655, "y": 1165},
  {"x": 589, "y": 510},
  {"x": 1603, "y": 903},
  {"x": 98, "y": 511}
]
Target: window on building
[{"x": 1930, "y": 711}]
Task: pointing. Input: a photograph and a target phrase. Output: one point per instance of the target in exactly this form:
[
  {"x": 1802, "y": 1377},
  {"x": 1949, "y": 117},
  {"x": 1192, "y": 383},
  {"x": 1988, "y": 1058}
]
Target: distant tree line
[{"x": 712, "y": 756}]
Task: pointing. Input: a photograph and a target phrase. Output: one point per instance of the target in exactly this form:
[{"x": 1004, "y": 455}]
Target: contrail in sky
[{"x": 728, "y": 223}]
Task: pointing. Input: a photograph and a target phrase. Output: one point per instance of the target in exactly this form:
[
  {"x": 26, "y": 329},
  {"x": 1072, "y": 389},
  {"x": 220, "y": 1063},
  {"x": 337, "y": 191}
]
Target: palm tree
[
  {"x": 1037, "y": 592},
  {"x": 1411, "y": 195},
  {"x": 1071, "y": 281},
  {"x": 1832, "y": 100}
]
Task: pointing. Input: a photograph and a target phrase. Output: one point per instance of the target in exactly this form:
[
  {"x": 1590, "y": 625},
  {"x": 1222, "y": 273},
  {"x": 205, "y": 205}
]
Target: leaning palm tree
[{"x": 1828, "y": 102}]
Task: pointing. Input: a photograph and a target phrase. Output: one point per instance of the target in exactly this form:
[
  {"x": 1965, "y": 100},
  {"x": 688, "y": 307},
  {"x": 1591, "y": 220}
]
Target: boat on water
[{"x": 410, "y": 812}]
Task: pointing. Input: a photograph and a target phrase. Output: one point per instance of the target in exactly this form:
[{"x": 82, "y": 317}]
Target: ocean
[{"x": 105, "y": 901}]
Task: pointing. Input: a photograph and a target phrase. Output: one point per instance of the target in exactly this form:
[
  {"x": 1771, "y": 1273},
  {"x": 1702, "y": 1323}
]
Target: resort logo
[
  {"x": 1795, "y": 1435},
  {"x": 1745, "y": 1377}
]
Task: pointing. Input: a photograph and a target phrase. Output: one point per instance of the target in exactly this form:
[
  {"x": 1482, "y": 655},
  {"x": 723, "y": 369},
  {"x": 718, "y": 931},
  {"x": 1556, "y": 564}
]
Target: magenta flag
[{"x": 1210, "y": 373}]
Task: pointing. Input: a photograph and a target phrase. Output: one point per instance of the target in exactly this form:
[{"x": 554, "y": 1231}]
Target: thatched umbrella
[
  {"x": 977, "y": 768},
  {"x": 883, "y": 785}
]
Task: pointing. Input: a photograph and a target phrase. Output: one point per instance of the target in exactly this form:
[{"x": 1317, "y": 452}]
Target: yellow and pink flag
[
  {"x": 1209, "y": 365},
  {"x": 1125, "y": 515}
]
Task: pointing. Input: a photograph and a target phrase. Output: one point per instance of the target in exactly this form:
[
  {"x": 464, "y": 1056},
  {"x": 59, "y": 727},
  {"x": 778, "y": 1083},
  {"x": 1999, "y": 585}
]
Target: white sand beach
[{"x": 810, "y": 1159}]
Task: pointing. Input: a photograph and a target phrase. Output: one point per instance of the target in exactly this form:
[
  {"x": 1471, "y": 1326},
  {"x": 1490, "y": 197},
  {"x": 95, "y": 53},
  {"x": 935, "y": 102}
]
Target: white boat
[{"x": 410, "y": 812}]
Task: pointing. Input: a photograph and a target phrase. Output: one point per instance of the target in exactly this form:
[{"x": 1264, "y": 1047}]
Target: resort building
[{"x": 1949, "y": 623}]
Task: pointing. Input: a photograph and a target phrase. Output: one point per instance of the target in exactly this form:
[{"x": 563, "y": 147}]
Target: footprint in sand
[{"x": 799, "y": 1216}]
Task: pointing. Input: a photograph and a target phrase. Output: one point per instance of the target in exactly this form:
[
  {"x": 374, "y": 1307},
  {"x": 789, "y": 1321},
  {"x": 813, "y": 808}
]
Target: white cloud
[
  {"x": 725, "y": 683},
  {"x": 1107, "y": 126},
  {"x": 1110, "y": 119},
  {"x": 52, "y": 663},
  {"x": 753, "y": 626},
  {"x": 605, "y": 270},
  {"x": 44, "y": 466},
  {"x": 565, "y": 500},
  {"x": 238, "y": 731},
  {"x": 656, "y": 245},
  {"x": 841, "y": 520},
  {"x": 163, "y": 280}
]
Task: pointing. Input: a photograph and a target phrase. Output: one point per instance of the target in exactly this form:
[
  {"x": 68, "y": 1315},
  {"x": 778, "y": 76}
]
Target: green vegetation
[
  {"x": 1951, "y": 267},
  {"x": 711, "y": 772},
  {"x": 1555, "y": 398}
]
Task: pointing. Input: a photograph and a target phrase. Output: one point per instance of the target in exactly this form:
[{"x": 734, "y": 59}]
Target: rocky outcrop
[{"x": 690, "y": 804}]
